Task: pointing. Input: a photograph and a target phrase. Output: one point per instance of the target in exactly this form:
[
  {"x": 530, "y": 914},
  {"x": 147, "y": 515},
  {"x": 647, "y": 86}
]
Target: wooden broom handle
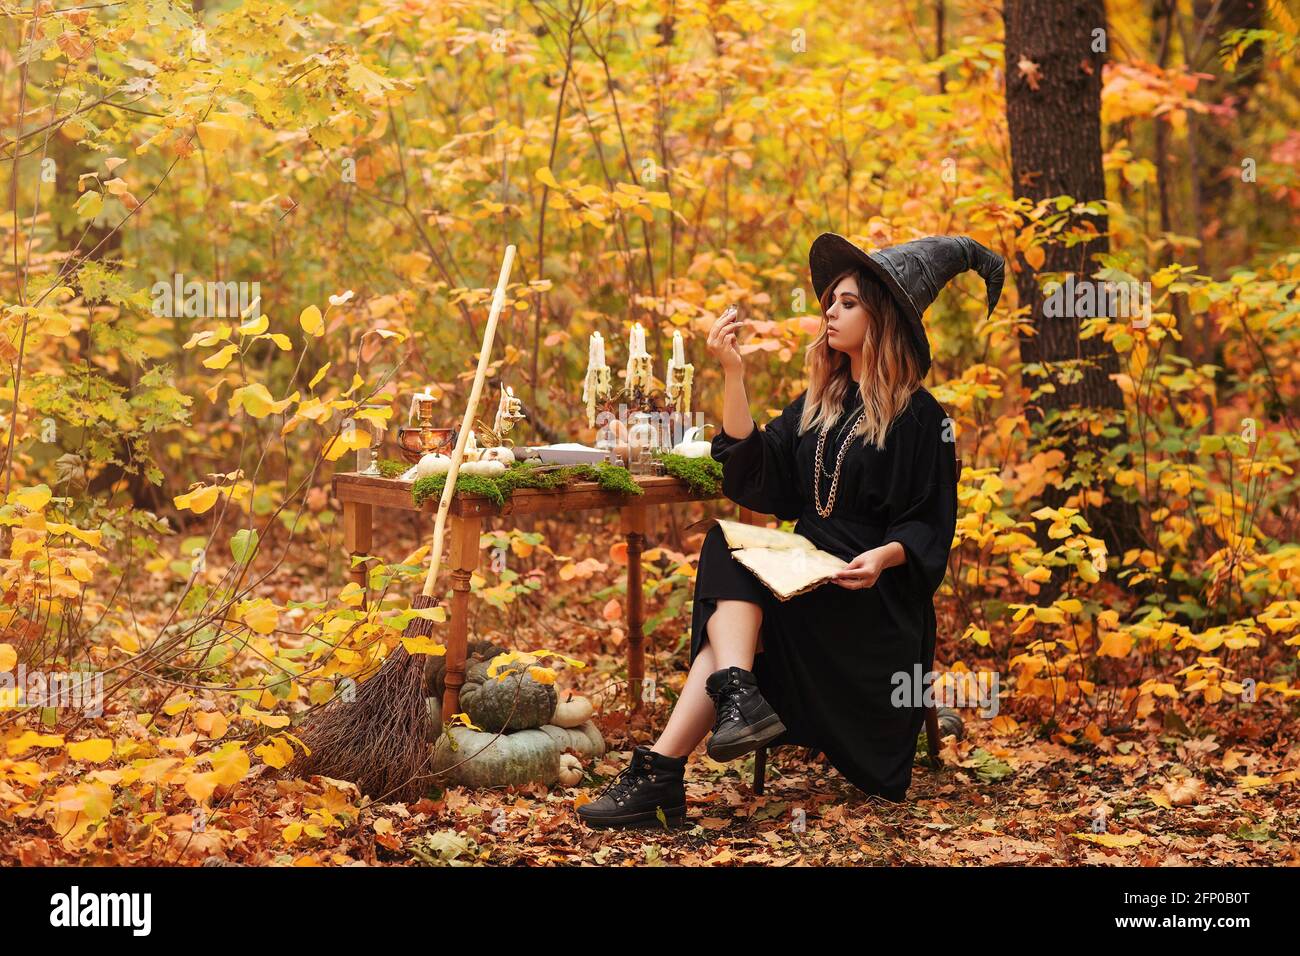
[{"x": 466, "y": 425}]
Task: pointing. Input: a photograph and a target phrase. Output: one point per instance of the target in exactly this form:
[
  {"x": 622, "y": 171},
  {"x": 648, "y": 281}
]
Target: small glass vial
[
  {"x": 642, "y": 440},
  {"x": 608, "y": 439}
]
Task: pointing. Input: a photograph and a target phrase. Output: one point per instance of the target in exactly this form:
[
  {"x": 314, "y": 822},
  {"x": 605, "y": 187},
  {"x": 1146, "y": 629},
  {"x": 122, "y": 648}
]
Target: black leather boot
[
  {"x": 745, "y": 720},
  {"x": 650, "y": 783}
]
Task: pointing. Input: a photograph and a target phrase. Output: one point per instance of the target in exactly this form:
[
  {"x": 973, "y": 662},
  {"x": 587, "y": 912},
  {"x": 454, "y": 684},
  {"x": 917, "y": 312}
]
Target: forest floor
[
  {"x": 1159, "y": 794},
  {"x": 1040, "y": 811}
]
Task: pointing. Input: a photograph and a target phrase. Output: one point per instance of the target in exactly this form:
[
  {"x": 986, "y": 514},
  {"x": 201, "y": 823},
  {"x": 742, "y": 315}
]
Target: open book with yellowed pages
[{"x": 789, "y": 564}]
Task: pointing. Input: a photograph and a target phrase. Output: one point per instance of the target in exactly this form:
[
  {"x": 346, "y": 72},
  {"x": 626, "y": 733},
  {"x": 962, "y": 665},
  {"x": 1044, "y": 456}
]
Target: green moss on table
[
  {"x": 703, "y": 475},
  {"x": 526, "y": 475}
]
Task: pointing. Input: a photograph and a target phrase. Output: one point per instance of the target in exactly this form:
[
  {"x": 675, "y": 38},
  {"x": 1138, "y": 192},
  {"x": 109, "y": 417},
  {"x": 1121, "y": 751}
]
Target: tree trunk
[{"x": 1054, "y": 118}]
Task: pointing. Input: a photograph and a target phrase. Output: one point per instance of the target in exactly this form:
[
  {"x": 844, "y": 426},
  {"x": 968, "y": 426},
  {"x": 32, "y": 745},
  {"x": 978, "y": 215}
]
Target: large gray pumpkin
[
  {"x": 584, "y": 740},
  {"x": 492, "y": 760},
  {"x": 512, "y": 702}
]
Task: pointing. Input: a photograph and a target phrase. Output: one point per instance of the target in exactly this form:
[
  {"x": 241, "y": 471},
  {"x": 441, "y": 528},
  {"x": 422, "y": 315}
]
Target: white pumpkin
[
  {"x": 499, "y": 453},
  {"x": 572, "y": 711},
  {"x": 570, "y": 770},
  {"x": 693, "y": 449},
  {"x": 432, "y": 464},
  {"x": 488, "y": 469},
  {"x": 694, "y": 444}
]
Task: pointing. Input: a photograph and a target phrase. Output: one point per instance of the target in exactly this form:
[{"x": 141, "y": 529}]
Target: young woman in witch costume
[{"x": 864, "y": 460}]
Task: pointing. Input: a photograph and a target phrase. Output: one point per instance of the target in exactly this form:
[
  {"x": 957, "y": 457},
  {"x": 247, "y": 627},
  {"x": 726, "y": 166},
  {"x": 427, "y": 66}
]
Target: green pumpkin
[
  {"x": 435, "y": 670},
  {"x": 512, "y": 702},
  {"x": 468, "y": 758}
]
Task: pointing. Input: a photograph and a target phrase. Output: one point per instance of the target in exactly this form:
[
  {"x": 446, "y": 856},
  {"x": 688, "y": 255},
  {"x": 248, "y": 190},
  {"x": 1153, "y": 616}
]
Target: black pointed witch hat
[{"x": 913, "y": 272}]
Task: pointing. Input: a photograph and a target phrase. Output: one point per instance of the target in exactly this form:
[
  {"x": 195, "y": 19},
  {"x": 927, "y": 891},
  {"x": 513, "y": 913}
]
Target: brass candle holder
[
  {"x": 425, "y": 407},
  {"x": 420, "y": 435}
]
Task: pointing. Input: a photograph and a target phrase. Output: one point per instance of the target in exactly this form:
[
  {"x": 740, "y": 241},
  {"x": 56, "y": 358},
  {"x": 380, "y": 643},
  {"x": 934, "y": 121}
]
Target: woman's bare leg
[
  {"x": 732, "y": 639},
  {"x": 733, "y": 631}
]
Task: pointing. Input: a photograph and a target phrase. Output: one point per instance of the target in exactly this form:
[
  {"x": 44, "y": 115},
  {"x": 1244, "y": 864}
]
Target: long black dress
[{"x": 830, "y": 655}]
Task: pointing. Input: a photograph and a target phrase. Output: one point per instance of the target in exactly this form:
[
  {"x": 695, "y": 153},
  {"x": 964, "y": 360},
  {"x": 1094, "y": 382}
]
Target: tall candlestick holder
[
  {"x": 509, "y": 411},
  {"x": 659, "y": 413},
  {"x": 424, "y": 408}
]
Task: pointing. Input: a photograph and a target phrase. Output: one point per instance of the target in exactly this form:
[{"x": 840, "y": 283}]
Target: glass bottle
[
  {"x": 642, "y": 439},
  {"x": 368, "y": 457}
]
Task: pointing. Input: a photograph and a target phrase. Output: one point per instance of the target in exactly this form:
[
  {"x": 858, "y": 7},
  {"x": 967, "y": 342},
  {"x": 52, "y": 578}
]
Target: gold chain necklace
[{"x": 839, "y": 463}]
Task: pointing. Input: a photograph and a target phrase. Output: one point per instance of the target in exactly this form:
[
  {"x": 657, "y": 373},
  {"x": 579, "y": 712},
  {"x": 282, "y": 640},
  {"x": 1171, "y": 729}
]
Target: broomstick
[{"x": 380, "y": 741}]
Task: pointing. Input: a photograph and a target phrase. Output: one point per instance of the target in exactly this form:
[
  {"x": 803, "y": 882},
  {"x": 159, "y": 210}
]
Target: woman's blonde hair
[{"x": 891, "y": 371}]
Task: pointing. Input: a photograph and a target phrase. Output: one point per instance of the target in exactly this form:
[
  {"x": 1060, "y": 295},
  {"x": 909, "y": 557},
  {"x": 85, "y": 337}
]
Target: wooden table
[{"x": 361, "y": 495}]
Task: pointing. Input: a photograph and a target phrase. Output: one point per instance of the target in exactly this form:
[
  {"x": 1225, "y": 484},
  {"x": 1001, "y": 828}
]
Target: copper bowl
[{"x": 410, "y": 445}]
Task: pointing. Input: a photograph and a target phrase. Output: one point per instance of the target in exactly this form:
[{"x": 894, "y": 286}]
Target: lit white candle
[
  {"x": 638, "y": 360},
  {"x": 679, "y": 376},
  {"x": 595, "y": 386},
  {"x": 412, "y": 418},
  {"x": 593, "y": 362}
]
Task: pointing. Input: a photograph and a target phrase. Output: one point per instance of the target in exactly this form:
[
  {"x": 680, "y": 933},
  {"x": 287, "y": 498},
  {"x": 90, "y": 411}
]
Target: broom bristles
[{"x": 380, "y": 740}]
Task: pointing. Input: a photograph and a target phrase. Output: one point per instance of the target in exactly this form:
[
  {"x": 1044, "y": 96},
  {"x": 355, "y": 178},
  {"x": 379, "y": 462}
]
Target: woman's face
[{"x": 846, "y": 318}]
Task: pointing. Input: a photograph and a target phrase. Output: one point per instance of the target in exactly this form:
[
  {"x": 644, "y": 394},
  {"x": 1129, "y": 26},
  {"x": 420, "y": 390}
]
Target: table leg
[
  {"x": 358, "y": 524},
  {"x": 462, "y": 561},
  {"x": 634, "y": 524}
]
